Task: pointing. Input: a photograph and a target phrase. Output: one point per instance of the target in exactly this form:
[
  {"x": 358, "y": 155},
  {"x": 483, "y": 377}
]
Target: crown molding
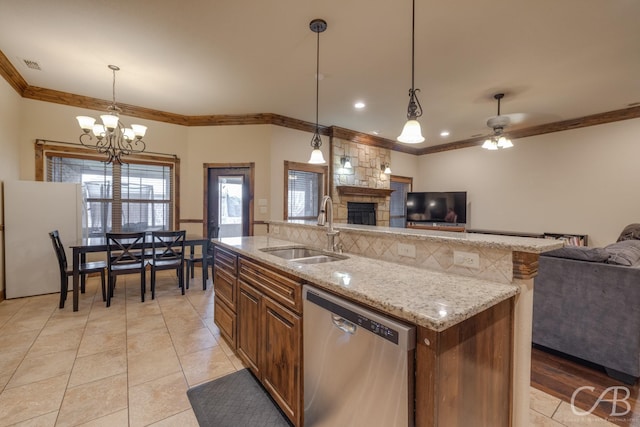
[
  {"x": 580, "y": 122},
  {"x": 19, "y": 84},
  {"x": 11, "y": 75}
]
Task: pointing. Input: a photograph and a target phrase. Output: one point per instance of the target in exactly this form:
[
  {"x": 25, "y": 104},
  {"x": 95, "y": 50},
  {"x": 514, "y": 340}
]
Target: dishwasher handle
[{"x": 343, "y": 324}]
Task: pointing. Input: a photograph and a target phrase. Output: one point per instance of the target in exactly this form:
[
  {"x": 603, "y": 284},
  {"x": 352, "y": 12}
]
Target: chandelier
[
  {"x": 317, "y": 26},
  {"x": 114, "y": 139},
  {"x": 411, "y": 133}
]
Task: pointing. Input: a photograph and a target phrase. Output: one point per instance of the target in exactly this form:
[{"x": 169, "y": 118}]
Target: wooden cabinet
[
  {"x": 270, "y": 333},
  {"x": 249, "y": 337},
  {"x": 282, "y": 360},
  {"x": 225, "y": 274},
  {"x": 464, "y": 372}
]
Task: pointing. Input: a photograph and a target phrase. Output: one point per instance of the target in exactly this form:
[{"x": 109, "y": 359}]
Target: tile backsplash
[{"x": 495, "y": 264}]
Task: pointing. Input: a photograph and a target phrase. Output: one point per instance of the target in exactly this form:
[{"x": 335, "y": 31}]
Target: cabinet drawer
[
  {"x": 224, "y": 286},
  {"x": 227, "y": 261},
  {"x": 281, "y": 288},
  {"x": 226, "y": 321}
]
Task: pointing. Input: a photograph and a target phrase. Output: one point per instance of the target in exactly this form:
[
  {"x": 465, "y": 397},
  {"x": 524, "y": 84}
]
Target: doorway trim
[{"x": 205, "y": 185}]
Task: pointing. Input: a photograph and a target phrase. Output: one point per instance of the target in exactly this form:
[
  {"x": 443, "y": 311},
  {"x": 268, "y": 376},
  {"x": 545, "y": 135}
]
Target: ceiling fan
[{"x": 498, "y": 123}]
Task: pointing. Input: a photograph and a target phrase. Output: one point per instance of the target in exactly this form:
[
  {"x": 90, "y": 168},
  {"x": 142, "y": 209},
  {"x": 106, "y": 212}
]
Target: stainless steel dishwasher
[{"x": 358, "y": 365}]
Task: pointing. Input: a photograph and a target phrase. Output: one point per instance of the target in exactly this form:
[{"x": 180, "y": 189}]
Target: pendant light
[
  {"x": 498, "y": 123},
  {"x": 317, "y": 26},
  {"x": 411, "y": 133}
]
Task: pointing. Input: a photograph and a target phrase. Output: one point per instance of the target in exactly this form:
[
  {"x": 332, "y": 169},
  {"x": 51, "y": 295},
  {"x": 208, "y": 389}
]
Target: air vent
[{"x": 32, "y": 64}]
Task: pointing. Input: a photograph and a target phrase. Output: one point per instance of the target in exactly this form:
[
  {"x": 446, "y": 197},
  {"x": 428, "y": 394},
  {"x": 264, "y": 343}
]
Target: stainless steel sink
[{"x": 303, "y": 254}]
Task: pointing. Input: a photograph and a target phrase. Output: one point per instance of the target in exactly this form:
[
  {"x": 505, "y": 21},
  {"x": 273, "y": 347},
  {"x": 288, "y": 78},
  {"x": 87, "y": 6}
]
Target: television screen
[{"x": 446, "y": 207}]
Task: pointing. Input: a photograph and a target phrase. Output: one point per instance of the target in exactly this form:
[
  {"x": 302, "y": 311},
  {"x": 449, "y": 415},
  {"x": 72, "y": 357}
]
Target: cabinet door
[
  {"x": 281, "y": 367},
  {"x": 226, "y": 321},
  {"x": 224, "y": 287},
  {"x": 249, "y": 302}
]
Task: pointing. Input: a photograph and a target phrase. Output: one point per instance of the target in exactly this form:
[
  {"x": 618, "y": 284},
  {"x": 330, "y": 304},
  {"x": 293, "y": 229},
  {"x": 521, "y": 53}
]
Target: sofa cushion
[
  {"x": 626, "y": 252},
  {"x": 630, "y": 232},
  {"x": 580, "y": 253}
]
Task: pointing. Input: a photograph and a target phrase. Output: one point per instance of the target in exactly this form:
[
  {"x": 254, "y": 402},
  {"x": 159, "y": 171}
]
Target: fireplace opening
[{"x": 361, "y": 213}]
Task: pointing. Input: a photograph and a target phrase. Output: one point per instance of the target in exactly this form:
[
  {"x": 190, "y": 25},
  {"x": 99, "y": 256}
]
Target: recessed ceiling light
[
  {"x": 359, "y": 105},
  {"x": 444, "y": 133},
  {"x": 375, "y": 132}
]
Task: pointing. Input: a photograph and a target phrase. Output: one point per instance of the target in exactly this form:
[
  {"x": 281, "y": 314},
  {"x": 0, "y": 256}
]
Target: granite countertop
[
  {"x": 495, "y": 241},
  {"x": 426, "y": 298}
]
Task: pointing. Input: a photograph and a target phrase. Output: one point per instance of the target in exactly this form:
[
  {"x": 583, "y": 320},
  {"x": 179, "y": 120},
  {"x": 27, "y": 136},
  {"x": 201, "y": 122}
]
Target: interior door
[{"x": 230, "y": 200}]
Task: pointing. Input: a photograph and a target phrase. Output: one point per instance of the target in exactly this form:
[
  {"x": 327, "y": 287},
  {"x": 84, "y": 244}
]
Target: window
[
  {"x": 397, "y": 209},
  {"x": 304, "y": 188},
  {"x": 118, "y": 197}
]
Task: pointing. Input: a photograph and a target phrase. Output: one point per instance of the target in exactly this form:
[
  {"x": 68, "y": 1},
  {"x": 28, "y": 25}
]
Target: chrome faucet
[{"x": 325, "y": 216}]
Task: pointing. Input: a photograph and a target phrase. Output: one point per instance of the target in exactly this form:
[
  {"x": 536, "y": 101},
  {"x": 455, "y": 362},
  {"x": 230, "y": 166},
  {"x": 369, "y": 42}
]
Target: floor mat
[{"x": 235, "y": 400}]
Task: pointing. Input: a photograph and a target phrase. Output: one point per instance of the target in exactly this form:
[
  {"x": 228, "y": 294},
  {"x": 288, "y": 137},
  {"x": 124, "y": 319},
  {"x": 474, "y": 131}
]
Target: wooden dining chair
[
  {"x": 126, "y": 255},
  {"x": 66, "y": 272},
  {"x": 168, "y": 254},
  {"x": 194, "y": 259}
]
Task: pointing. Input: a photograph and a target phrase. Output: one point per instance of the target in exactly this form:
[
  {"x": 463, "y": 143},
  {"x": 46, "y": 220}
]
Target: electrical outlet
[
  {"x": 466, "y": 259},
  {"x": 406, "y": 250},
  {"x": 275, "y": 229}
]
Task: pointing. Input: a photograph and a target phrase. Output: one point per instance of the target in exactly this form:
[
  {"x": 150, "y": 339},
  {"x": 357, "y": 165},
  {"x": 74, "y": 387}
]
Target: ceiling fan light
[
  {"x": 411, "y": 133},
  {"x": 504, "y": 142},
  {"x": 490, "y": 144},
  {"x": 316, "y": 157}
]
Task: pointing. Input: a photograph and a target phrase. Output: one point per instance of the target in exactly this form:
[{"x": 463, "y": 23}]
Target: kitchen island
[{"x": 464, "y": 350}]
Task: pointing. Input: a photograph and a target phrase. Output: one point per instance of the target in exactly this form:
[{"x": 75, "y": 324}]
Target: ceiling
[{"x": 554, "y": 59}]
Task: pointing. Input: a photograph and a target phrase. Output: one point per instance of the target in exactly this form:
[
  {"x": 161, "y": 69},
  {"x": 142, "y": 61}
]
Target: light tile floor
[{"x": 132, "y": 363}]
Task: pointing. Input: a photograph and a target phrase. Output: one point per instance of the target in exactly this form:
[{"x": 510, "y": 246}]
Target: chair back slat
[
  {"x": 125, "y": 248},
  {"x": 168, "y": 245},
  {"x": 60, "y": 253}
]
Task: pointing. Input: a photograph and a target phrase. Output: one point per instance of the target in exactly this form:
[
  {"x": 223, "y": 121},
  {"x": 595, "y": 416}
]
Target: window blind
[{"x": 118, "y": 197}]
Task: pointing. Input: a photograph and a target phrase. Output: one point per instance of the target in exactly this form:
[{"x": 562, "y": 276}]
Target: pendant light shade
[
  {"x": 412, "y": 133},
  {"x": 317, "y": 26}
]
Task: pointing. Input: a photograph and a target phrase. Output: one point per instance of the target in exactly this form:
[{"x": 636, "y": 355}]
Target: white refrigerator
[{"x": 32, "y": 209}]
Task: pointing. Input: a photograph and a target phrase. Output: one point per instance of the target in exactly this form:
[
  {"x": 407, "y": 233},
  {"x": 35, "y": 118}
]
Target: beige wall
[
  {"x": 582, "y": 181},
  {"x": 292, "y": 145},
  {"x": 9, "y": 157},
  {"x": 404, "y": 164}
]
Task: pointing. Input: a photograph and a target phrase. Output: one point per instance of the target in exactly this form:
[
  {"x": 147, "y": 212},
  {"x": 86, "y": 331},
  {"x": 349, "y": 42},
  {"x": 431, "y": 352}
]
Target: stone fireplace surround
[{"x": 363, "y": 183}]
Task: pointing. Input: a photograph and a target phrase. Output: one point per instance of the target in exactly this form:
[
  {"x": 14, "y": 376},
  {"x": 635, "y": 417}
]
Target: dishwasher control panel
[
  {"x": 358, "y": 319},
  {"x": 378, "y": 328}
]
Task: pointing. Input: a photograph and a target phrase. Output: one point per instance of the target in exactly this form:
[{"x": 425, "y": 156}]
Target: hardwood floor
[{"x": 561, "y": 376}]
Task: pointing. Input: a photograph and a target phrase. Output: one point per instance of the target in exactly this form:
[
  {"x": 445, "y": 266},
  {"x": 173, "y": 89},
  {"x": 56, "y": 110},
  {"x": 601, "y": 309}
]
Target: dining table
[{"x": 86, "y": 245}]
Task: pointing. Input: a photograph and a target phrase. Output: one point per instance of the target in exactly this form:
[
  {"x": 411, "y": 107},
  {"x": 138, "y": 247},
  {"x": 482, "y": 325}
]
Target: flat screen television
[{"x": 437, "y": 207}]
